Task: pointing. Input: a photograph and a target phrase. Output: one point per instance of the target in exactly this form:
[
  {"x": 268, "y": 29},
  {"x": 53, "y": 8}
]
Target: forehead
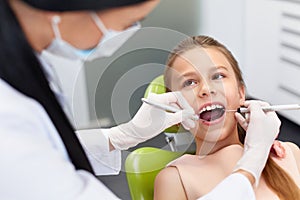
[{"x": 201, "y": 59}]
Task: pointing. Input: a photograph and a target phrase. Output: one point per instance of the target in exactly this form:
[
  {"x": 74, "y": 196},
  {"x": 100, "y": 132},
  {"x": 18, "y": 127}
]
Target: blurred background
[{"x": 263, "y": 35}]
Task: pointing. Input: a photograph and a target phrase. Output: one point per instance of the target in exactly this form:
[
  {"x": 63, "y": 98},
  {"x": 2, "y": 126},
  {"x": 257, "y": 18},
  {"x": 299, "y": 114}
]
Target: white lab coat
[
  {"x": 33, "y": 159},
  {"x": 94, "y": 141}
]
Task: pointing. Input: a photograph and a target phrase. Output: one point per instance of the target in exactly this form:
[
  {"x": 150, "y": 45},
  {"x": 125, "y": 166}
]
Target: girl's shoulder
[
  {"x": 293, "y": 151},
  {"x": 225, "y": 158}
]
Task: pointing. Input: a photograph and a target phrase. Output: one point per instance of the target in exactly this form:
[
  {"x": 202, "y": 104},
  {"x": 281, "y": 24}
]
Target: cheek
[{"x": 233, "y": 96}]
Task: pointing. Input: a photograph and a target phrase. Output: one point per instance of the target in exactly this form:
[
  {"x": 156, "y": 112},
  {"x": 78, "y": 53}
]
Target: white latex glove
[
  {"x": 262, "y": 130},
  {"x": 150, "y": 121}
]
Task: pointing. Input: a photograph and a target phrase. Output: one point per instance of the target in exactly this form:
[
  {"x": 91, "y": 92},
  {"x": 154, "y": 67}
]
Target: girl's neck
[{"x": 207, "y": 147}]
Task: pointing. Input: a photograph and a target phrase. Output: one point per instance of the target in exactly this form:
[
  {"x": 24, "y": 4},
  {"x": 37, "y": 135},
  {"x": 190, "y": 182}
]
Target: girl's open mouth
[{"x": 212, "y": 112}]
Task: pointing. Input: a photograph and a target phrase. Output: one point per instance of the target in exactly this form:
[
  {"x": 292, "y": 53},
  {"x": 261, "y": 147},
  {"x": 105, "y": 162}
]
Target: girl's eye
[
  {"x": 218, "y": 76},
  {"x": 188, "y": 83}
]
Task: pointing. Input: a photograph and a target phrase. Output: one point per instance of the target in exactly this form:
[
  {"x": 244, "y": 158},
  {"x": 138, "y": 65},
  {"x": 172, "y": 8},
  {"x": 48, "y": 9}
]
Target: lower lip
[{"x": 210, "y": 123}]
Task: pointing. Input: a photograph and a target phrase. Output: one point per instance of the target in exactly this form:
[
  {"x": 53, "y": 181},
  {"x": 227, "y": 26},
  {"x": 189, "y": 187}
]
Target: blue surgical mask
[
  {"x": 84, "y": 52},
  {"x": 110, "y": 42}
]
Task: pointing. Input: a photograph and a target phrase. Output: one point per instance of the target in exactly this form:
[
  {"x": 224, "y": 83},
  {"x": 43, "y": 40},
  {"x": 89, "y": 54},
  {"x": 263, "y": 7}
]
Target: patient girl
[{"x": 210, "y": 79}]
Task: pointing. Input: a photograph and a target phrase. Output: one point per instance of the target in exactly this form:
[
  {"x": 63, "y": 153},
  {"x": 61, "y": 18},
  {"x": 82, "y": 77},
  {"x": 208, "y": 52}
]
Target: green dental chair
[{"x": 143, "y": 164}]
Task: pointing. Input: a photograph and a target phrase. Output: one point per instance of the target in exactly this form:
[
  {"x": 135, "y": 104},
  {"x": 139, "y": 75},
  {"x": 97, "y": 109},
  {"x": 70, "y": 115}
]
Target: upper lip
[{"x": 210, "y": 106}]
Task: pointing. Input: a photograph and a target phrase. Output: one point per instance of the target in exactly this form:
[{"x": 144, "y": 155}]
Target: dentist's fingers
[
  {"x": 187, "y": 121},
  {"x": 181, "y": 117},
  {"x": 188, "y": 124},
  {"x": 175, "y": 99},
  {"x": 261, "y": 103},
  {"x": 241, "y": 120},
  {"x": 255, "y": 108}
]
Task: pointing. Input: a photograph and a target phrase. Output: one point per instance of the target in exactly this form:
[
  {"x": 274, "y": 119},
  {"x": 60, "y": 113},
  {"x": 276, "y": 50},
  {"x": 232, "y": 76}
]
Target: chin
[{"x": 212, "y": 135}]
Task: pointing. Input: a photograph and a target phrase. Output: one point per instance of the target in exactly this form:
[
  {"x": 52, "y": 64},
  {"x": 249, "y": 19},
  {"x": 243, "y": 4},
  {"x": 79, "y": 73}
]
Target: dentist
[{"x": 41, "y": 155}]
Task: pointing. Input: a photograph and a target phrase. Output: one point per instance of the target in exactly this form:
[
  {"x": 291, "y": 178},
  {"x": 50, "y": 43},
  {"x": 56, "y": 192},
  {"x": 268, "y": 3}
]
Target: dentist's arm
[
  {"x": 262, "y": 130},
  {"x": 150, "y": 121},
  {"x": 103, "y": 146}
]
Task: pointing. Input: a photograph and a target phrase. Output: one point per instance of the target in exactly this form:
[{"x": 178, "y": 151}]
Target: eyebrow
[
  {"x": 219, "y": 67},
  {"x": 185, "y": 76},
  {"x": 192, "y": 73},
  {"x": 214, "y": 68}
]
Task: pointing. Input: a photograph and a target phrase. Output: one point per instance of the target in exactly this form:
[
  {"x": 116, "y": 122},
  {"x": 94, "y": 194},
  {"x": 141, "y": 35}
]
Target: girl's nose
[{"x": 206, "y": 91}]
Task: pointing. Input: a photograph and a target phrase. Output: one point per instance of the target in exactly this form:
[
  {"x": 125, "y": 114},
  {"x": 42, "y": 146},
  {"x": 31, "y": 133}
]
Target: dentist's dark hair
[
  {"x": 20, "y": 68},
  {"x": 71, "y": 5},
  {"x": 275, "y": 177}
]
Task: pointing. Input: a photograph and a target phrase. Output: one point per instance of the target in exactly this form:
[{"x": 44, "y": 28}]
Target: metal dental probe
[
  {"x": 270, "y": 108},
  {"x": 240, "y": 110},
  {"x": 166, "y": 107}
]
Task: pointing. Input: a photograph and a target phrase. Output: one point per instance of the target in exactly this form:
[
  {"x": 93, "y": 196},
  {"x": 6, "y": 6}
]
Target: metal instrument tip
[{"x": 230, "y": 110}]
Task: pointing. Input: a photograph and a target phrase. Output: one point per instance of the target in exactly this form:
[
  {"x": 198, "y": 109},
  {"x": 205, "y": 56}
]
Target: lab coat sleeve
[
  {"x": 30, "y": 169},
  {"x": 234, "y": 187},
  {"x": 95, "y": 143}
]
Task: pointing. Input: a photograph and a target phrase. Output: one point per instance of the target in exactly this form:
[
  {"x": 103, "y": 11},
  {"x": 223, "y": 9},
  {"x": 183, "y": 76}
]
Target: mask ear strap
[
  {"x": 54, "y": 22},
  {"x": 98, "y": 22}
]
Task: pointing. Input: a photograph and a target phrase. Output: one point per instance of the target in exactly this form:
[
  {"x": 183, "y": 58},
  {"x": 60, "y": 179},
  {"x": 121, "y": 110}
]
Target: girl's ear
[{"x": 242, "y": 92}]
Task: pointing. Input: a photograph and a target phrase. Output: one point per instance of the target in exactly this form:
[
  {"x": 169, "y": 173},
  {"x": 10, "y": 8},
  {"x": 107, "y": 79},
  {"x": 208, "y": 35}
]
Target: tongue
[{"x": 212, "y": 115}]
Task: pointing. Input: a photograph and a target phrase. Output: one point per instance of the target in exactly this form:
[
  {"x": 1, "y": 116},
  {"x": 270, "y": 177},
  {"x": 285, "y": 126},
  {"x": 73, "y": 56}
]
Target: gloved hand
[
  {"x": 150, "y": 121},
  {"x": 261, "y": 132}
]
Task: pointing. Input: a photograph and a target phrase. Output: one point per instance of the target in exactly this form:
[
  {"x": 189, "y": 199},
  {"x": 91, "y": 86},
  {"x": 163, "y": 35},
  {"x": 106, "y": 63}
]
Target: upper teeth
[{"x": 211, "y": 107}]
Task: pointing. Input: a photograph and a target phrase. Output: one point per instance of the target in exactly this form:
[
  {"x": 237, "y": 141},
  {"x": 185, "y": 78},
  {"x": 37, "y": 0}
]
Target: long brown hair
[{"x": 276, "y": 178}]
